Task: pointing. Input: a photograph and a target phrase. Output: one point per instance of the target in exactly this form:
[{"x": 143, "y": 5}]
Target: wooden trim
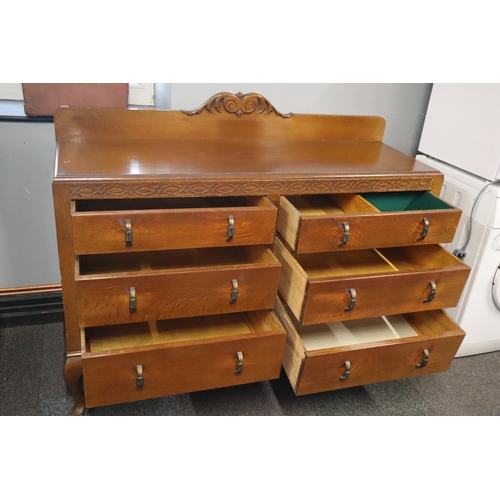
[
  {"x": 63, "y": 206},
  {"x": 87, "y": 123},
  {"x": 235, "y": 187},
  {"x": 7, "y": 292}
]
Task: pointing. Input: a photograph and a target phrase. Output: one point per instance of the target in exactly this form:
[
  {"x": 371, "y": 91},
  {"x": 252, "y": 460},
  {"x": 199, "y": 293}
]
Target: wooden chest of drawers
[
  {"x": 358, "y": 304},
  {"x": 177, "y": 232}
]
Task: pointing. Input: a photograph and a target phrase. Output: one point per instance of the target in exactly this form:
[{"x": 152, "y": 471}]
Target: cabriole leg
[{"x": 73, "y": 377}]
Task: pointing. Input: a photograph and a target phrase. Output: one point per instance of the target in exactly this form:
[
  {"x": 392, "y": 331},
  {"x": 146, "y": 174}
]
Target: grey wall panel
[
  {"x": 28, "y": 249},
  {"x": 403, "y": 105}
]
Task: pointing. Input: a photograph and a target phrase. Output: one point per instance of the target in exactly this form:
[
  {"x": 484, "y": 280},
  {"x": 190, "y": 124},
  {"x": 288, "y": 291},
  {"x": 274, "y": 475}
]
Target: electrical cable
[{"x": 460, "y": 252}]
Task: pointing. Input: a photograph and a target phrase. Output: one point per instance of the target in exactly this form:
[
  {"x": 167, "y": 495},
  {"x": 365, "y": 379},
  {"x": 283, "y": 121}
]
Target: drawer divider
[{"x": 386, "y": 260}]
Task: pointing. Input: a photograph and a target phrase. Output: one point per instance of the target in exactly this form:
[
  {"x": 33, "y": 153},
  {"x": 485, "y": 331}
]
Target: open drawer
[
  {"x": 334, "y": 356},
  {"x": 137, "y": 361},
  {"x": 321, "y": 223},
  {"x": 338, "y": 286},
  {"x": 143, "y": 286},
  {"x": 134, "y": 225}
]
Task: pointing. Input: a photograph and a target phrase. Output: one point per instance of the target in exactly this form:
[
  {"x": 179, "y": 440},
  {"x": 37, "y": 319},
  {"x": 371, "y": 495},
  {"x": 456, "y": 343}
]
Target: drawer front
[
  {"x": 364, "y": 297},
  {"x": 365, "y": 229},
  {"x": 182, "y": 293},
  {"x": 368, "y": 365},
  {"x": 434, "y": 344},
  {"x": 112, "y": 378},
  {"x": 140, "y": 230},
  {"x": 326, "y": 287}
]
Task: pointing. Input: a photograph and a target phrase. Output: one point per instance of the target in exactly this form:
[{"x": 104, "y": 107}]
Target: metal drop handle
[
  {"x": 234, "y": 291},
  {"x": 347, "y": 370},
  {"x": 132, "y": 300},
  {"x": 432, "y": 293},
  {"x": 240, "y": 364},
  {"x": 352, "y": 301},
  {"x": 345, "y": 235},
  {"x": 425, "y": 360},
  {"x": 139, "y": 382},
  {"x": 128, "y": 233},
  {"x": 230, "y": 228},
  {"x": 425, "y": 229}
]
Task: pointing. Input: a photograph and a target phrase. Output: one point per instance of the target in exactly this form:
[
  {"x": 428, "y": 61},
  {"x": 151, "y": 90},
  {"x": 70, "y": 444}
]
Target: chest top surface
[{"x": 233, "y": 140}]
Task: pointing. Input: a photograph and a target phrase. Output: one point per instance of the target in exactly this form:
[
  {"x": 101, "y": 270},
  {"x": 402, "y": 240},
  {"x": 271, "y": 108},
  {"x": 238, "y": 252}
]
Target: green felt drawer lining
[{"x": 402, "y": 201}]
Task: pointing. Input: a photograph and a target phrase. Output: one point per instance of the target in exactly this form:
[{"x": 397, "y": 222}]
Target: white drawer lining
[{"x": 330, "y": 335}]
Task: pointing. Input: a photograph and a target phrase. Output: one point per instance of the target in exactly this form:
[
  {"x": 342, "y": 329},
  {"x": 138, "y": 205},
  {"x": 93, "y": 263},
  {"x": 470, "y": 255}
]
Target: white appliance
[
  {"x": 478, "y": 312},
  {"x": 461, "y": 138},
  {"x": 462, "y": 127}
]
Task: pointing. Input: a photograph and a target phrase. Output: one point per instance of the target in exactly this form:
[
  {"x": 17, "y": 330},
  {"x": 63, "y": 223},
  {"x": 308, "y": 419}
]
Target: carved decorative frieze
[
  {"x": 238, "y": 188},
  {"x": 238, "y": 104}
]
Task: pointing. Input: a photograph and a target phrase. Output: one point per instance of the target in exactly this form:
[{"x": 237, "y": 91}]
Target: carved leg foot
[{"x": 73, "y": 377}]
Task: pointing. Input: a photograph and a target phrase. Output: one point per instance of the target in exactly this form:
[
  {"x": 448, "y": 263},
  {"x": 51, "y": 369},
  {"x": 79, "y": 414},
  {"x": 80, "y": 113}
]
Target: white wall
[{"x": 403, "y": 105}]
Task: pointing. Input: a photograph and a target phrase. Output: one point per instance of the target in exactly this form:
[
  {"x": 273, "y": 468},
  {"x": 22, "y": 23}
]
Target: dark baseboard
[{"x": 31, "y": 309}]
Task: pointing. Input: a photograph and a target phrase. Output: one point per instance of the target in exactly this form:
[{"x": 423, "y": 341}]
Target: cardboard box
[{"x": 42, "y": 99}]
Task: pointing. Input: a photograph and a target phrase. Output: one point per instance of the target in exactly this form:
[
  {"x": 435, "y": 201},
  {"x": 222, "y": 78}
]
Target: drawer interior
[
  {"x": 348, "y": 333},
  {"x": 381, "y": 329},
  {"x": 373, "y": 261},
  {"x": 195, "y": 258},
  {"x": 336, "y": 204},
  {"x": 108, "y": 205},
  {"x": 185, "y": 330},
  {"x": 321, "y": 205},
  {"x": 406, "y": 201}
]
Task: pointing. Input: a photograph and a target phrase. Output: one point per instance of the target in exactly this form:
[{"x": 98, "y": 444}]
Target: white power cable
[{"x": 460, "y": 252}]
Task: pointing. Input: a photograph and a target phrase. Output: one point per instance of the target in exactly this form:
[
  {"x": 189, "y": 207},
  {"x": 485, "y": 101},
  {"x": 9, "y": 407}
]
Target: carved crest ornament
[{"x": 238, "y": 104}]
